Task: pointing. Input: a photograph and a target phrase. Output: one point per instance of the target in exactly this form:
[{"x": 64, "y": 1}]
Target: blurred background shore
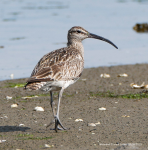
[{"x": 30, "y": 29}]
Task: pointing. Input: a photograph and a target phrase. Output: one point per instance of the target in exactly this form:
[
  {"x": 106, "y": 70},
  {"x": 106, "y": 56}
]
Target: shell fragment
[
  {"x": 14, "y": 105},
  {"x": 97, "y": 123},
  {"x": 8, "y": 97},
  {"x": 39, "y": 108},
  {"x": 21, "y": 125},
  {"x": 78, "y": 120},
  {"x": 105, "y": 75},
  {"x": 135, "y": 86},
  {"x": 27, "y": 97},
  {"x": 122, "y": 75},
  {"x": 48, "y": 146},
  {"x": 102, "y": 108},
  {"x": 93, "y": 124},
  {"x": 2, "y": 141},
  {"x": 125, "y": 116}
]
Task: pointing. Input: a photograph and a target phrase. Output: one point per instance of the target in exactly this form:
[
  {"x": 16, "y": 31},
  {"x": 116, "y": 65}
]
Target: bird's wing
[{"x": 63, "y": 64}]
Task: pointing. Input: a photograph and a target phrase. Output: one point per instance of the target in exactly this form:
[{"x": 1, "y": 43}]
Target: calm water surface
[{"x": 30, "y": 29}]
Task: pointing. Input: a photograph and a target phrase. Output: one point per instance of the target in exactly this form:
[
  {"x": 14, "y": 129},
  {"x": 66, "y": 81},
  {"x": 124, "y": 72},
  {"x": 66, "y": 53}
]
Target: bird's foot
[{"x": 57, "y": 124}]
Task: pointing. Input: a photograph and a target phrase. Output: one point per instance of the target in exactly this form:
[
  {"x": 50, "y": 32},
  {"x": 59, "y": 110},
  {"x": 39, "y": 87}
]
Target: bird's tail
[{"x": 34, "y": 85}]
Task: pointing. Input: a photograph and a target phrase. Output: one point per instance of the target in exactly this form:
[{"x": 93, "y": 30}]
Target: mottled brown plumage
[
  {"x": 59, "y": 65},
  {"x": 60, "y": 68}
]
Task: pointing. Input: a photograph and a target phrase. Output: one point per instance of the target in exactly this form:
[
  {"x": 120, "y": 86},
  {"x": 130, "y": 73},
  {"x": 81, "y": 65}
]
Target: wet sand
[{"x": 123, "y": 125}]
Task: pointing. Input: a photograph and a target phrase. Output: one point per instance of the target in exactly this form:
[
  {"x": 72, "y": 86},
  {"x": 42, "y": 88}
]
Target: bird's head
[{"x": 77, "y": 33}]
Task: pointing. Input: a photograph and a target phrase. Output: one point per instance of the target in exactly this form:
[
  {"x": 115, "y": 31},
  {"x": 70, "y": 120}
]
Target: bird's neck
[{"x": 76, "y": 44}]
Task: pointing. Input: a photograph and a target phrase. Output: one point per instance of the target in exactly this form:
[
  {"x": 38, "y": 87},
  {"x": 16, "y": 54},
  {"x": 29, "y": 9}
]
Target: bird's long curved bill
[{"x": 101, "y": 38}]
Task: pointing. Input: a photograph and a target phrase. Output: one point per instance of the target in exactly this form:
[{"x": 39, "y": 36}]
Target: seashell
[
  {"x": 8, "y": 97},
  {"x": 2, "y": 141},
  {"x": 26, "y": 97},
  {"x": 21, "y": 125},
  {"x": 105, "y": 75},
  {"x": 38, "y": 108},
  {"x": 125, "y": 116},
  {"x": 91, "y": 124},
  {"x": 146, "y": 86},
  {"x": 97, "y": 123},
  {"x": 47, "y": 145},
  {"x": 135, "y": 86},
  {"x": 102, "y": 108},
  {"x": 78, "y": 120},
  {"x": 14, "y": 105},
  {"x": 122, "y": 75}
]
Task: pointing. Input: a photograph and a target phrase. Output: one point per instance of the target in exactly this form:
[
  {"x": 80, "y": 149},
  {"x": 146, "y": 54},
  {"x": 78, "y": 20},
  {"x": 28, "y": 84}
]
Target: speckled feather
[
  {"x": 60, "y": 65},
  {"x": 64, "y": 64}
]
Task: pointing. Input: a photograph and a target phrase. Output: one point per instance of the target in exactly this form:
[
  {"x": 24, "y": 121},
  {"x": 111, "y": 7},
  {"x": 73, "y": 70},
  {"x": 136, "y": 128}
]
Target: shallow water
[{"x": 30, "y": 29}]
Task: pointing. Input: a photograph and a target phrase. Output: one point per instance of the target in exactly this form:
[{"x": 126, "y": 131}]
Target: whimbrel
[{"x": 62, "y": 67}]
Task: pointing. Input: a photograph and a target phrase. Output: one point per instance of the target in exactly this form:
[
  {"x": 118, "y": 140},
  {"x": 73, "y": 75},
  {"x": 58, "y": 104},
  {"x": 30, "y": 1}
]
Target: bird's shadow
[{"x": 13, "y": 128}]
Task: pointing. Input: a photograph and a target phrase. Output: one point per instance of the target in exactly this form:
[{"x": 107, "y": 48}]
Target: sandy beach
[{"x": 118, "y": 113}]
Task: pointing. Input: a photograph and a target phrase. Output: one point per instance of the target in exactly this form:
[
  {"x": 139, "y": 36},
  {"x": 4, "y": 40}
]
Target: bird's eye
[{"x": 78, "y": 31}]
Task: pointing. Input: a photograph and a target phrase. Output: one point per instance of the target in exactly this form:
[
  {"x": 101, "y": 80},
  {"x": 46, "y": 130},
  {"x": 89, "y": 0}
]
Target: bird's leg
[
  {"x": 52, "y": 103},
  {"x": 53, "y": 108},
  {"x": 56, "y": 117}
]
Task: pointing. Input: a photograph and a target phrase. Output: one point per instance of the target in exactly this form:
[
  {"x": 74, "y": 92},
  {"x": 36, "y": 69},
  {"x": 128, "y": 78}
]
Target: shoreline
[{"x": 85, "y": 68}]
